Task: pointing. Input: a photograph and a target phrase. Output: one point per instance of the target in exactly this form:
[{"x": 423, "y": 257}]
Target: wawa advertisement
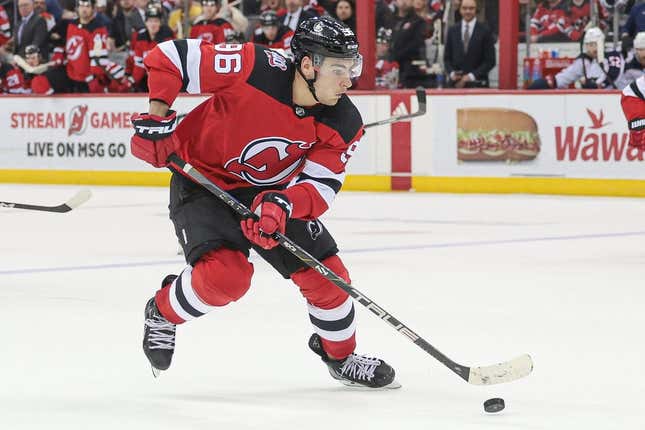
[{"x": 550, "y": 135}]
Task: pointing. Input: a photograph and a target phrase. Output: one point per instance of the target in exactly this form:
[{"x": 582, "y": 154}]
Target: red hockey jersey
[
  {"x": 633, "y": 103},
  {"x": 5, "y": 26},
  {"x": 12, "y": 81},
  {"x": 141, "y": 44},
  {"x": 214, "y": 31},
  {"x": 86, "y": 49},
  {"x": 250, "y": 133}
]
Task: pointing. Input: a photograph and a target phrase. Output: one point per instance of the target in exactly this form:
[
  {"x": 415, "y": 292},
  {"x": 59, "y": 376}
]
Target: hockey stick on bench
[
  {"x": 484, "y": 375},
  {"x": 78, "y": 199}
]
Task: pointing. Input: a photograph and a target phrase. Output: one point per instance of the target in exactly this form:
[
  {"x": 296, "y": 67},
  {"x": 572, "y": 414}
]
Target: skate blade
[
  {"x": 391, "y": 386},
  {"x": 156, "y": 372}
]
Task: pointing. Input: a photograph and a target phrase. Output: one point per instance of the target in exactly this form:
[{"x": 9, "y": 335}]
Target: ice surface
[{"x": 482, "y": 278}]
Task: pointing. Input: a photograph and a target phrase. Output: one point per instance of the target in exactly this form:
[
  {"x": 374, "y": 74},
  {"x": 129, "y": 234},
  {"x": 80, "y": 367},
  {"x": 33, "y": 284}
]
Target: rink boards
[{"x": 583, "y": 143}]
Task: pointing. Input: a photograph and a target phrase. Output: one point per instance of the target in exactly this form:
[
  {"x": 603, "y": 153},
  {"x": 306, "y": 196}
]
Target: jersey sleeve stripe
[
  {"x": 182, "y": 52},
  {"x": 635, "y": 87},
  {"x": 193, "y": 63},
  {"x": 325, "y": 182},
  {"x": 170, "y": 50}
]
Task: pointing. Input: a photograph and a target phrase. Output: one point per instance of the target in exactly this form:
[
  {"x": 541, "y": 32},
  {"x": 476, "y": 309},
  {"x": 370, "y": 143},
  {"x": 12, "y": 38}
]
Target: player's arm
[
  {"x": 175, "y": 66},
  {"x": 633, "y": 104}
]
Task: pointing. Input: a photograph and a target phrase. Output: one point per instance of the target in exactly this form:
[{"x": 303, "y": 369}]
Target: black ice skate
[
  {"x": 158, "y": 335},
  {"x": 356, "y": 370}
]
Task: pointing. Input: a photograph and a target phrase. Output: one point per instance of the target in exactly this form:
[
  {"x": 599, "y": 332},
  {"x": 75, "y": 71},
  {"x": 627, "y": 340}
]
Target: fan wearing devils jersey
[
  {"x": 287, "y": 167},
  {"x": 633, "y": 103},
  {"x": 273, "y": 33},
  {"x": 85, "y": 50},
  {"x": 143, "y": 41},
  {"x": 208, "y": 27}
]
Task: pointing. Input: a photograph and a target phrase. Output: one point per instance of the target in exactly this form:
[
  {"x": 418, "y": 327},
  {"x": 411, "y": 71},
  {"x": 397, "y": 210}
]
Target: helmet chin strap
[{"x": 310, "y": 82}]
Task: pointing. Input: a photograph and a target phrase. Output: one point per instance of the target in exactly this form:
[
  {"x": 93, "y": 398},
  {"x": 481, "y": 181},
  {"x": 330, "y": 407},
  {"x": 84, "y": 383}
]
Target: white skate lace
[
  {"x": 162, "y": 333},
  {"x": 358, "y": 367}
]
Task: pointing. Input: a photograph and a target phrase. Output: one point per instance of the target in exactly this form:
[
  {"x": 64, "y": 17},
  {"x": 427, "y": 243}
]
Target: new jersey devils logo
[
  {"x": 74, "y": 47},
  {"x": 268, "y": 160},
  {"x": 77, "y": 120},
  {"x": 206, "y": 36}
]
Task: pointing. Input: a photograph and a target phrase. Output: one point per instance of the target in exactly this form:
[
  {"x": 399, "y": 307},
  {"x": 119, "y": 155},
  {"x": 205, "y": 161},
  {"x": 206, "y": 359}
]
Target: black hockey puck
[{"x": 494, "y": 405}]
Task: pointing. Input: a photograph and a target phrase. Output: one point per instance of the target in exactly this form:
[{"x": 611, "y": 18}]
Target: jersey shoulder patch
[{"x": 272, "y": 74}]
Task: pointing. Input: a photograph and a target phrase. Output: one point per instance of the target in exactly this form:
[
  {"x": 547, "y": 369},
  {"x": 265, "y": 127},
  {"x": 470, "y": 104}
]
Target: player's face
[
  {"x": 270, "y": 31},
  {"x": 33, "y": 59},
  {"x": 381, "y": 49},
  {"x": 640, "y": 54},
  {"x": 153, "y": 25},
  {"x": 334, "y": 79},
  {"x": 85, "y": 11},
  {"x": 591, "y": 49},
  {"x": 209, "y": 10}
]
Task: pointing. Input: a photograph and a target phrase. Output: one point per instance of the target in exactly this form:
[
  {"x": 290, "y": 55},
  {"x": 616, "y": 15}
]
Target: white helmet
[
  {"x": 639, "y": 40},
  {"x": 594, "y": 34}
]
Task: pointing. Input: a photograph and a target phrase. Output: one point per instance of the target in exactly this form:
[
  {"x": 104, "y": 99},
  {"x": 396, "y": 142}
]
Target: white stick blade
[
  {"x": 80, "y": 198},
  {"x": 503, "y": 372}
]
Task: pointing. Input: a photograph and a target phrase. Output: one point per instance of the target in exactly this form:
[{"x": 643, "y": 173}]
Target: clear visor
[{"x": 341, "y": 68}]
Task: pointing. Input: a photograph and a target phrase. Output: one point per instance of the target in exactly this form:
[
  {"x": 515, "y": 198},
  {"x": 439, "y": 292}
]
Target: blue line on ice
[{"x": 347, "y": 251}]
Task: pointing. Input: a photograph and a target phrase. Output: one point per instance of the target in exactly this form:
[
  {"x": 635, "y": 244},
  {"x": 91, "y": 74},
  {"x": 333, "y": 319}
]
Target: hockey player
[
  {"x": 208, "y": 27},
  {"x": 143, "y": 41},
  {"x": 5, "y": 27},
  {"x": 287, "y": 167},
  {"x": 273, "y": 33},
  {"x": 594, "y": 68},
  {"x": 633, "y": 103},
  {"x": 635, "y": 66},
  {"x": 387, "y": 72}
]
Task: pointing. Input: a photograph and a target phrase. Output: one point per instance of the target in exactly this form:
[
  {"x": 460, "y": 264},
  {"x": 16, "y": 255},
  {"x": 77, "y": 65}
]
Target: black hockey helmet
[
  {"x": 326, "y": 36},
  {"x": 32, "y": 49},
  {"x": 152, "y": 11},
  {"x": 384, "y": 35},
  {"x": 269, "y": 18}
]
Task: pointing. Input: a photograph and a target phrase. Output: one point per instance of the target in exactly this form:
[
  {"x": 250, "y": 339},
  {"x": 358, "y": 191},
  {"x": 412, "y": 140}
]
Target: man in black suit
[
  {"x": 469, "y": 53},
  {"x": 295, "y": 14},
  {"x": 31, "y": 29}
]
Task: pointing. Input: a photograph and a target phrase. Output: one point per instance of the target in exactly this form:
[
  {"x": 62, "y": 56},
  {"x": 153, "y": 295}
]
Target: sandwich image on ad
[{"x": 496, "y": 134}]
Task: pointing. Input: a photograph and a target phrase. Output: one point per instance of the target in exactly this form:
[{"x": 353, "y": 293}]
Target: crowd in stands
[{"x": 98, "y": 46}]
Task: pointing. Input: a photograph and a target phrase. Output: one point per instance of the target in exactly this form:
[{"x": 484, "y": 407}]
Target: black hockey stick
[
  {"x": 74, "y": 202},
  {"x": 421, "y": 99},
  {"x": 484, "y": 375}
]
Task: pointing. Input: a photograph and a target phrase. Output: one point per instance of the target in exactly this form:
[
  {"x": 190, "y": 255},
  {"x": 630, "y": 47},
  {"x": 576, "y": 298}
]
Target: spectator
[
  {"x": 127, "y": 21},
  {"x": 635, "y": 67},
  {"x": 578, "y": 16},
  {"x": 408, "y": 44},
  {"x": 345, "y": 13},
  {"x": 544, "y": 23},
  {"x": 176, "y": 17},
  {"x": 387, "y": 72},
  {"x": 273, "y": 33},
  {"x": 469, "y": 53},
  {"x": 275, "y": 5},
  {"x": 295, "y": 14},
  {"x": 235, "y": 17},
  {"x": 635, "y": 21},
  {"x": 208, "y": 27},
  {"x": 30, "y": 29},
  {"x": 384, "y": 15},
  {"x": 40, "y": 6},
  {"x": 143, "y": 42}
]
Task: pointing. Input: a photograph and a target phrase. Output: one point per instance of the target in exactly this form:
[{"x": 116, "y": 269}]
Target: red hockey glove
[
  {"x": 273, "y": 210},
  {"x": 152, "y": 141},
  {"x": 637, "y": 138}
]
